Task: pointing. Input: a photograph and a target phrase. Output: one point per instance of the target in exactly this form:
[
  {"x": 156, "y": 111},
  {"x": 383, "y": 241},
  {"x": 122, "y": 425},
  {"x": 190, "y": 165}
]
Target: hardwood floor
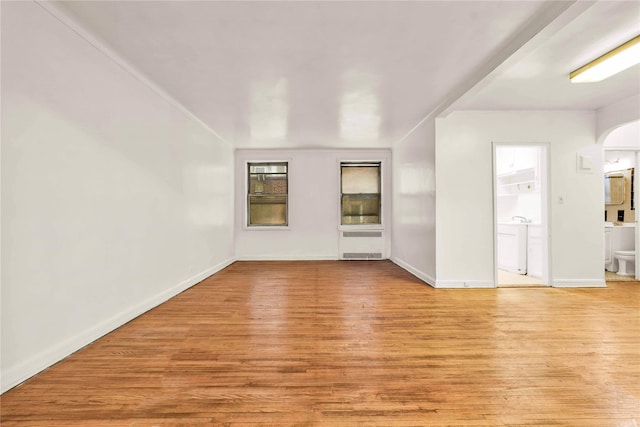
[
  {"x": 511, "y": 280},
  {"x": 352, "y": 343}
]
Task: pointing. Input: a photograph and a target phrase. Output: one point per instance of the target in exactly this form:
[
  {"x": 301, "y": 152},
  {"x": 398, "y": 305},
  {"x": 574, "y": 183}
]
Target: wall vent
[
  {"x": 362, "y": 234},
  {"x": 362, "y": 245},
  {"x": 362, "y": 255}
]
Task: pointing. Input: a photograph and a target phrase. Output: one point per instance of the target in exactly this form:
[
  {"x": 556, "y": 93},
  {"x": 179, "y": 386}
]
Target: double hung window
[
  {"x": 360, "y": 193},
  {"x": 267, "y": 198}
]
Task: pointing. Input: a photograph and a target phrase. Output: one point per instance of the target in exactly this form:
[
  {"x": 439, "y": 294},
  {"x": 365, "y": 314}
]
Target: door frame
[
  {"x": 636, "y": 183},
  {"x": 545, "y": 206}
]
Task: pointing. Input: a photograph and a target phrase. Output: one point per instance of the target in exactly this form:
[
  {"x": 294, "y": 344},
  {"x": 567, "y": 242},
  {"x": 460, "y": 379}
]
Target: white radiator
[{"x": 363, "y": 245}]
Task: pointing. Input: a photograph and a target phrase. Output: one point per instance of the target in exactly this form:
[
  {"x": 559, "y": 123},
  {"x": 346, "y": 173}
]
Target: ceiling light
[{"x": 620, "y": 58}]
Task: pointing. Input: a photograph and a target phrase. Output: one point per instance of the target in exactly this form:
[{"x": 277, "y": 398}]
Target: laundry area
[{"x": 519, "y": 213}]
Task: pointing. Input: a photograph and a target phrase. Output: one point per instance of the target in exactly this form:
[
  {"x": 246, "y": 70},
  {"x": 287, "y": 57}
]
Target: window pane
[
  {"x": 361, "y": 209},
  {"x": 267, "y": 194},
  {"x": 268, "y": 168},
  {"x": 268, "y": 184},
  {"x": 360, "y": 179},
  {"x": 267, "y": 210},
  {"x": 360, "y": 183}
]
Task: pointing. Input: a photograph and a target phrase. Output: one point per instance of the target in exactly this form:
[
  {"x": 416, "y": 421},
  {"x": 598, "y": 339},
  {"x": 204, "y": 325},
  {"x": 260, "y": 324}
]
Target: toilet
[{"x": 626, "y": 262}]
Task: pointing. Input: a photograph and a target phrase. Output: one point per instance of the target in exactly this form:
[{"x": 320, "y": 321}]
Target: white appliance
[
  {"x": 512, "y": 248},
  {"x": 534, "y": 250}
]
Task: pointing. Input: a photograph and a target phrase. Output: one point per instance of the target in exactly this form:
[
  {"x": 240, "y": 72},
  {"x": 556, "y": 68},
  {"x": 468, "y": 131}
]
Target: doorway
[
  {"x": 620, "y": 227},
  {"x": 621, "y": 157},
  {"x": 521, "y": 238}
]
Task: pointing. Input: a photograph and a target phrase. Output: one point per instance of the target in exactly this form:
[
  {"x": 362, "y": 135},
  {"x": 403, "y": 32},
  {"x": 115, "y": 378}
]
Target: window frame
[
  {"x": 380, "y": 226},
  {"x": 247, "y": 165}
]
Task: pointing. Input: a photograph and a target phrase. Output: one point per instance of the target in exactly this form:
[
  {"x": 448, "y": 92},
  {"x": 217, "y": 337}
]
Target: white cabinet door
[
  {"x": 511, "y": 159},
  {"x": 505, "y": 160},
  {"x": 525, "y": 158}
]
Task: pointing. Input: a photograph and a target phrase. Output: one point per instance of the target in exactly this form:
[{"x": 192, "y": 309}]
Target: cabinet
[
  {"x": 512, "y": 158},
  {"x": 517, "y": 170}
]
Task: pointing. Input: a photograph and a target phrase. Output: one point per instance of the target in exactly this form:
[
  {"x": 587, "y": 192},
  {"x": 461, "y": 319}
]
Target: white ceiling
[
  {"x": 354, "y": 74},
  {"x": 539, "y": 79}
]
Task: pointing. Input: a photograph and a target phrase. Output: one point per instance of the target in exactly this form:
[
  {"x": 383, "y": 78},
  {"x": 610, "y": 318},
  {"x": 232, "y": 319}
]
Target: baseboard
[
  {"x": 288, "y": 258},
  {"x": 579, "y": 283},
  {"x": 418, "y": 273},
  {"x": 464, "y": 284},
  {"x": 35, "y": 364}
]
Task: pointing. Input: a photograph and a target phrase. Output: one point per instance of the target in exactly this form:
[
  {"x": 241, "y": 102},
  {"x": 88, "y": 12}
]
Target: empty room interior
[{"x": 320, "y": 213}]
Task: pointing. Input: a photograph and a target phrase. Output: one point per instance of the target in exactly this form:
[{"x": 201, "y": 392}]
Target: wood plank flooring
[
  {"x": 352, "y": 343},
  {"x": 508, "y": 279}
]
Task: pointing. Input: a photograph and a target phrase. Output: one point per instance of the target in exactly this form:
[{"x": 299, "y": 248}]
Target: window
[
  {"x": 360, "y": 188},
  {"x": 267, "y": 194}
]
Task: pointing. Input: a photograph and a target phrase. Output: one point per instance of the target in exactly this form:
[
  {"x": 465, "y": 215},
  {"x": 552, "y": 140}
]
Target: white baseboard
[
  {"x": 419, "y": 274},
  {"x": 288, "y": 258},
  {"x": 39, "y": 362},
  {"x": 579, "y": 283},
  {"x": 464, "y": 284}
]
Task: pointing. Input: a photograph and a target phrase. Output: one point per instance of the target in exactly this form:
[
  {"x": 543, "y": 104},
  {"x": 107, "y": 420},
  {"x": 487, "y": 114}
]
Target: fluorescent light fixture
[{"x": 620, "y": 58}]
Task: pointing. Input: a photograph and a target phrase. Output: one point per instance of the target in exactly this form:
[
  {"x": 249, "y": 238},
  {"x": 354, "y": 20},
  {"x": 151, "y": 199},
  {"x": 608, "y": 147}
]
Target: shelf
[
  {"x": 517, "y": 182},
  {"x": 517, "y": 176},
  {"x": 517, "y": 172}
]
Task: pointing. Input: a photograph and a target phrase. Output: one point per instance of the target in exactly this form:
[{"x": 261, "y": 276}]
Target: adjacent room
[{"x": 319, "y": 213}]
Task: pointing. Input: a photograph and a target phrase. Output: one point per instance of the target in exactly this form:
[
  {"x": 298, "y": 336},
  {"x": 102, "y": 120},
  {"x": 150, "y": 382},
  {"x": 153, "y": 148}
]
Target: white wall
[
  {"x": 626, "y": 136},
  {"x": 314, "y": 200},
  {"x": 414, "y": 203},
  {"x": 113, "y": 200},
  {"x": 464, "y": 211},
  {"x": 619, "y": 160},
  {"x": 526, "y": 205},
  {"x": 610, "y": 117}
]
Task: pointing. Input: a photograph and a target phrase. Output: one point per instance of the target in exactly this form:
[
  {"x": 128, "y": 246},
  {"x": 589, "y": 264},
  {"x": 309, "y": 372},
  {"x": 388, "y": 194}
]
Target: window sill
[
  {"x": 266, "y": 227},
  {"x": 348, "y": 227}
]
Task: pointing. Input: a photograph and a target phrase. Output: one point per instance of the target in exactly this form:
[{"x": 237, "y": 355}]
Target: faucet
[{"x": 522, "y": 219}]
